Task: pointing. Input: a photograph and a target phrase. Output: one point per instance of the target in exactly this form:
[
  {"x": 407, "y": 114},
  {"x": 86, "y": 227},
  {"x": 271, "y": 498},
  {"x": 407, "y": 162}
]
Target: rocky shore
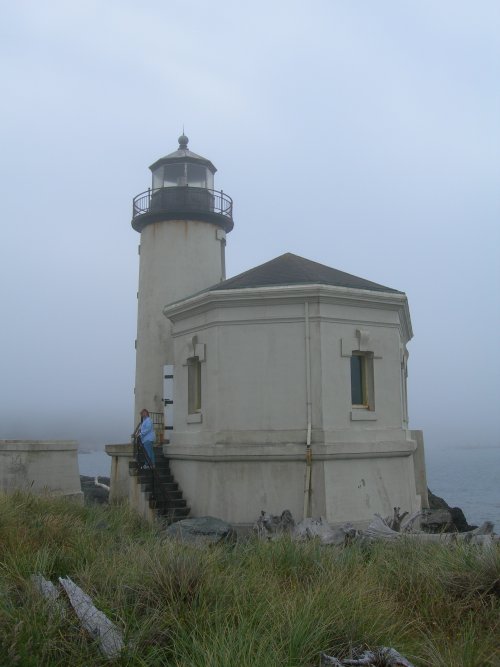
[
  {"x": 443, "y": 518},
  {"x": 93, "y": 493}
]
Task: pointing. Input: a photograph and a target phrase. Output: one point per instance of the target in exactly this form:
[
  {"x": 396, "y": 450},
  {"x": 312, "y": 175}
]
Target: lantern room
[
  {"x": 183, "y": 168},
  {"x": 182, "y": 189}
]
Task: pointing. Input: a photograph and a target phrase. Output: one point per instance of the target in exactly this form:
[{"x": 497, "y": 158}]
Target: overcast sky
[{"x": 360, "y": 134}]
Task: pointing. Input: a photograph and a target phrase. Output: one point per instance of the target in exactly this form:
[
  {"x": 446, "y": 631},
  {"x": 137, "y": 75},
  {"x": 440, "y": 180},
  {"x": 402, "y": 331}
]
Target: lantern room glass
[{"x": 181, "y": 174}]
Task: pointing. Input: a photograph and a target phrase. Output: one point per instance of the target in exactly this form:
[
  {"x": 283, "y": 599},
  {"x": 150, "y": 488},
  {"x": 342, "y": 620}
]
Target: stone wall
[
  {"x": 121, "y": 455},
  {"x": 40, "y": 466}
]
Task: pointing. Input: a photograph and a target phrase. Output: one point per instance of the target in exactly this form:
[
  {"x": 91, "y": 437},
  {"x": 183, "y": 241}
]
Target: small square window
[
  {"x": 194, "y": 385},
  {"x": 362, "y": 394}
]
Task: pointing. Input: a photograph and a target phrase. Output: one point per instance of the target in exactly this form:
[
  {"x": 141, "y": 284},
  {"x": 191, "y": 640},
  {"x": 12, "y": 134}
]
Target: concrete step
[
  {"x": 162, "y": 506},
  {"x": 169, "y": 504},
  {"x": 173, "y": 496},
  {"x": 171, "y": 487},
  {"x": 167, "y": 493},
  {"x": 176, "y": 514},
  {"x": 144, "y": 476},
  {"x": 167, "y": 479},
  {"x": 165, "y": 488},
  {"x": 135, "y": 469},
  {"x": 161, "y": 463}
]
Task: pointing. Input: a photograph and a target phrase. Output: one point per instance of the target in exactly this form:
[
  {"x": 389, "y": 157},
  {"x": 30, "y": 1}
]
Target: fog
[{"x": 361, "y": 135}]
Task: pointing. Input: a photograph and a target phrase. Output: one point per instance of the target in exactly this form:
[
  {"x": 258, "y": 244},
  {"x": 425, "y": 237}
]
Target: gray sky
[{"x": 360, "y": 134}]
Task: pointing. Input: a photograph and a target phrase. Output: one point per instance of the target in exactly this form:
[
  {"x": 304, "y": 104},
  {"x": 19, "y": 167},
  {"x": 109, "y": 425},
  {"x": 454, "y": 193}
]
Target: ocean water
[
  {"x": 466, "y": 477},
  {"x": 94, "y": 463}
]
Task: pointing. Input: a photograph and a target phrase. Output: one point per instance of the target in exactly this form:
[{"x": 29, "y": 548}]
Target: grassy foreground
[{"x": 248, "y": 605}]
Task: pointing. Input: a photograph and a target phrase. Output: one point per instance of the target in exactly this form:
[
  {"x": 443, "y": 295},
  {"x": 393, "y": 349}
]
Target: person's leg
[
  {"x": 141, "y": 459},
  {"x": 149, "y": 448}
]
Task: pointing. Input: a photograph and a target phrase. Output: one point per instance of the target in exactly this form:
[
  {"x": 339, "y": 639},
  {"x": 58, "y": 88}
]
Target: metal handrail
[
  {"x": 141, "y": 455},
  {"x": 185, "y": 196}
]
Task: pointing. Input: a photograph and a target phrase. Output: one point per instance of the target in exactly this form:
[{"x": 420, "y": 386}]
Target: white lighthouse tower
[{"x": 183, "y": 223}]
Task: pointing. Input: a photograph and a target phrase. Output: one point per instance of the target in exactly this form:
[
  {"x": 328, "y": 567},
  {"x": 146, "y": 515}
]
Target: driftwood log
[
  {"x": 381, "y": 657},
  {"x": 396, "y": 520},
  {"x": 270, "y": 527},
  {"x": 51, "y": 594},
  {"x": 94, "y": 621}
]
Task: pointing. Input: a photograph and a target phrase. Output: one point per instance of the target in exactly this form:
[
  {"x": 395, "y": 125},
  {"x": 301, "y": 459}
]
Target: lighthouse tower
[{"x": 183, "y": 223}]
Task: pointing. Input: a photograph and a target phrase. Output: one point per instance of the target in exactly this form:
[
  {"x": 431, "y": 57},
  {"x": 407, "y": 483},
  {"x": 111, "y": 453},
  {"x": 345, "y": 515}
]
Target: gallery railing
[{"x": 183, "y": 198}]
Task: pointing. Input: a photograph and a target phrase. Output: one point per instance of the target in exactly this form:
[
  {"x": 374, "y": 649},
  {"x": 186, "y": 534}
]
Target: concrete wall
[
  {"x": 121, "y": 455},
  {"x": 238, "y": 490},
  {"x": 138, "y": 500},
  {"x": 360, "y": 483},
  {"x": 420, "y": 471},
  {"x": 40, "y": 466},
  {"x": 123, "y": 486},
  {"x": 245, "y": 449},
  {"x": 177, "y": 258}
]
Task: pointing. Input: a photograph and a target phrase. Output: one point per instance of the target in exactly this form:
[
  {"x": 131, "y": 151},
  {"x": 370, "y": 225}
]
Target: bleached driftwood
[
  {"x": 309, "y": 529},
  {"x": 378, "y": 529},
  {"x": 270, "y": 526},
  {"x": 98, "y": 483},
  {"x": 50, "y": 592},
  {"x": 95, "y": 622},
  {"x": 408, "y": 524},
  {"x": 395, "y": 521},
  {"x": 485, "y": 528},
  {"x": 482, "y": 536},
  {"x": 381, "y": 657}
]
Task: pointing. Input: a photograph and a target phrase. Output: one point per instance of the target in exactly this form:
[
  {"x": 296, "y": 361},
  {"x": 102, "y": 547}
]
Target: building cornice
[
  {"x": 281, "y": 295},
  {"x": 322, "y": 451}
]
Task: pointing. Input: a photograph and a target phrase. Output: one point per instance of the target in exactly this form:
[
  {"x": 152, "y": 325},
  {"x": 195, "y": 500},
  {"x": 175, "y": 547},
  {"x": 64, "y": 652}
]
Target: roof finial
[{"x": 183, "y": 140}]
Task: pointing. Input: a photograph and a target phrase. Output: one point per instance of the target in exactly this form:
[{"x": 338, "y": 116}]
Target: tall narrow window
[
  {"x": 194, "y": 385},
  {"x": 362, "y": 380}
]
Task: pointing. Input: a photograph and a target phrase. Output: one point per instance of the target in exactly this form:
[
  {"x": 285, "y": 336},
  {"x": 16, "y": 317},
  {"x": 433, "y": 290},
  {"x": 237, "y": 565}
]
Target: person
[{"x": 147, "y": 434}]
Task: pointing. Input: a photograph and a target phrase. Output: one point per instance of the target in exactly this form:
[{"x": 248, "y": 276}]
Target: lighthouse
[
  {"x": 288, "y": 380},
  {"x": 182, "y": 221}
]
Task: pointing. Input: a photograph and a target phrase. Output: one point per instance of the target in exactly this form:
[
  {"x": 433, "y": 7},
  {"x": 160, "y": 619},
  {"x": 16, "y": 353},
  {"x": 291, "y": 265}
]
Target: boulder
[
  {"x": 203, "y": 530},
  {"x": 452, "y": 521},
  {"x": 437, "y": 521}
]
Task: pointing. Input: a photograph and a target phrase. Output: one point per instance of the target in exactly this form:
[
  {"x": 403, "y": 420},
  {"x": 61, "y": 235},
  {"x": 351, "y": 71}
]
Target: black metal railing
[
  {"x": 183, "y": 199},
  {"x": 143, "y": 459}
]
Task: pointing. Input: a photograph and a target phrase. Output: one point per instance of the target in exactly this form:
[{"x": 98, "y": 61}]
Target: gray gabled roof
[{"x": 290, "y": 269}]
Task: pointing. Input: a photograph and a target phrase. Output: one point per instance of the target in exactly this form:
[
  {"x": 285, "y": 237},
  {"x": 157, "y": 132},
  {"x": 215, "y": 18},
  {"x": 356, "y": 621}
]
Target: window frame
[
  {"x": 366, "y": 380},
  {"x": 194, "y": 399}
]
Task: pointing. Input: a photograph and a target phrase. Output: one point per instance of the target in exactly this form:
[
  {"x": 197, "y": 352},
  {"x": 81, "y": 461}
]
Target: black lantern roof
[{"x": 183, "y": 154}]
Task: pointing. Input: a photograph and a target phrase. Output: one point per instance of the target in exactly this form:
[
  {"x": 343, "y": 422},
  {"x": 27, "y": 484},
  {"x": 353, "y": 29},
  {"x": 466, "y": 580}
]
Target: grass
[{"x": 252, "y": 604}]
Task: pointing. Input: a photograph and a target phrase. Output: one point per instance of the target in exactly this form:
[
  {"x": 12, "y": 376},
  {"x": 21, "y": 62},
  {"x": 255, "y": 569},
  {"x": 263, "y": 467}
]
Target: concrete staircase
[{"x": 160, "y": 495}]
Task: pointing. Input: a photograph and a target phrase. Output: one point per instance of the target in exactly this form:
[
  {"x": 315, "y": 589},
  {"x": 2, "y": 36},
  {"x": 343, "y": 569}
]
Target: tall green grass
[{"x": 252, "y": 604}]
